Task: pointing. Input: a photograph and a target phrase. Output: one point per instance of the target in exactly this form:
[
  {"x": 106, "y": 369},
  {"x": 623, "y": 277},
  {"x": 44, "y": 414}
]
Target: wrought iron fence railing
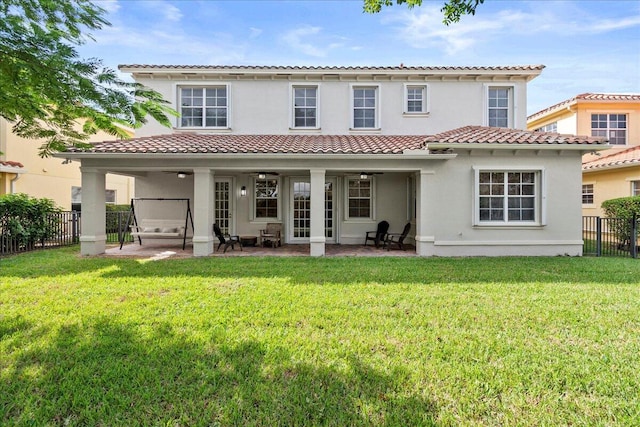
[
  {"x": 610, "y": 236},
  {"x": 58, "y": 229},
  {"x": 118, "y": 223}
]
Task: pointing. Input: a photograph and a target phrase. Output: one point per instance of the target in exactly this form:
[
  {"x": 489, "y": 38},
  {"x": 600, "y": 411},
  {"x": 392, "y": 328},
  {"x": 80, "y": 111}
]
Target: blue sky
[{"x": 586, "y": 46}]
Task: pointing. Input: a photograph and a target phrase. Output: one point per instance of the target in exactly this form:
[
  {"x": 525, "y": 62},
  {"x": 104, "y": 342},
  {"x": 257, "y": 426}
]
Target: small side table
[{"x": 249, "y": 240}]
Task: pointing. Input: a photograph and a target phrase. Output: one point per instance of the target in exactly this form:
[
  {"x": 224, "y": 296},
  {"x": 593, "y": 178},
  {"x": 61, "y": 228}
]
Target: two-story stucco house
[
  {"x": 607, "y": 174},
  {"x": 328, "y": 152}
]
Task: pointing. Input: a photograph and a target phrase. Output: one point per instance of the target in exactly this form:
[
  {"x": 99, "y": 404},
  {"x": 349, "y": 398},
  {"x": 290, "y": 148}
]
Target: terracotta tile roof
[
  {"x": 197, "y": 143},
  {"x": 597, "y": 97},
  {"x": 334, "y": 68},
  {"x": 492, "y": 135},
  {"x": 628, "y": 157},
  {"x": 10, "y": 163}
]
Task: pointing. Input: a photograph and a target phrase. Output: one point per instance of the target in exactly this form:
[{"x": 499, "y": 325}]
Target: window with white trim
[
  {"x": 587, "y": 194},
  {"x": 206, "y": 107},
  {"x": 365, "y": 107},
  {"x": 508, "y": 197},
  {"x": 76, "y": 197},
  {"x": 359, "y": 198},
  {"x": 635, "y": 188},
  {"x": 611, "y": 126},
  {"x": 499, "y": 106},
  {"x": 305, "y": 107},
  {"x": 415, "y": 99},
  {"x": 266, "y": 197},
  {"x": 551, "y": 127}
]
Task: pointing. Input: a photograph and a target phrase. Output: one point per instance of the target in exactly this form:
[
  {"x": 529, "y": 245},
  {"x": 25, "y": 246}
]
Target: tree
[
  {"x": 453, "y": 10},
  {"x": 49, "y": 92}
]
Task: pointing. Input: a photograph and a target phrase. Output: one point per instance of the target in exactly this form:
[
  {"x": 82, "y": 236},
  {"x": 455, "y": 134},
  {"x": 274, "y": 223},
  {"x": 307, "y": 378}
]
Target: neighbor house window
[
  {"x": 365, "y": 107},
  {"x": 587, "y": 194},
  {"x": 508, "y": 197},
  {"x": 635, "y": 188},
  {"x": 611, "y": 126},
  {"x": 305, "y": 107},
  {"x": 551, "y": 127},
  {"x": 415, "y": 99},
  {"x": 266, "y": 198},
  {"x": 359, "y": 198},
  {"x": 76, "y": 197},
  {"x": 499, "y": 106},
  {"x": 204, "y": 107}
]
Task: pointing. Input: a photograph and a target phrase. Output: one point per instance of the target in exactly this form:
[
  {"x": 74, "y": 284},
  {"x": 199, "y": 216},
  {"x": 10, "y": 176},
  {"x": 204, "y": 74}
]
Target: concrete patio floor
[{"x": 161, "y": 251}]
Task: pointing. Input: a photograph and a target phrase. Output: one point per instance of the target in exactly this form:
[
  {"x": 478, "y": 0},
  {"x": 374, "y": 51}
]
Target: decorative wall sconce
[
  {"x": 363, "y": 175},
  {"x": 243, "y": 191},
  {"x": 182, "y": 175},
  {"x": 262, "y": 175}
]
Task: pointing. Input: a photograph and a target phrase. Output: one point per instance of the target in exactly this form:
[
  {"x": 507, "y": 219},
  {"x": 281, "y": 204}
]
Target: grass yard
[{"x": 330, "y": 342}]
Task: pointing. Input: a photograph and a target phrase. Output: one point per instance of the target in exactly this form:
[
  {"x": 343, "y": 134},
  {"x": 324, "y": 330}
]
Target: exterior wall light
[
  {"x": 363, "y": 175},
  {"x": 262, "y": 175},
  {"x": 243, "y": 191},
  {"x": 182, "y": 175}
]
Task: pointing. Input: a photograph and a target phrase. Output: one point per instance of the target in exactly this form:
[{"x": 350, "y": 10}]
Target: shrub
[
  {"x": 626, "y": 210},
  {"x": 25, "y": 219}
]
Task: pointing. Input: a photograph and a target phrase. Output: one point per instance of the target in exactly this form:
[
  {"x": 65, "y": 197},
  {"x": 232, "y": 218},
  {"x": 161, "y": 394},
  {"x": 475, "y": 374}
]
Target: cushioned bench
[{"x": 159, "y": 229}]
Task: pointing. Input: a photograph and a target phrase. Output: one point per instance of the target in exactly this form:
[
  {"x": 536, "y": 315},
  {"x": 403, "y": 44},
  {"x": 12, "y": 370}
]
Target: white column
[
  {"x": 317, "y": 239},
  {"x": 425, "y": 214},
  {"x": 93, "y": 219},
  {"x": 203, "y": 202}
]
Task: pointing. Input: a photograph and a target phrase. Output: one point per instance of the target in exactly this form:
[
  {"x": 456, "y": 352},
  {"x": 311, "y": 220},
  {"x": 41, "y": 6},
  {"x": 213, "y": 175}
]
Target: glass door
[
  {"x": 300, "y": 229},
  {"x": 223, "y": 204}
]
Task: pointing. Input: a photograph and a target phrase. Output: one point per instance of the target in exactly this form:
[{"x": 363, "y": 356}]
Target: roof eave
[
  {"x": 409, "y": 154},
  {"x": 506, "y": 146}
]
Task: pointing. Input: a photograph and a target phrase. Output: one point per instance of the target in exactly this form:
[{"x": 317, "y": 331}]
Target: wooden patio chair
[
  {"x": 271, "y": 235},
  {"x": 378, "y": 235},
  {"x": 226, "y": 239},
  {"x": 397, "y": 238}
]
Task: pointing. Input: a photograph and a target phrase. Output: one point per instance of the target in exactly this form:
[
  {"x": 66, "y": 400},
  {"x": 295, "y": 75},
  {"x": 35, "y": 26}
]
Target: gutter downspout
[{"x": 12, "y": 186}]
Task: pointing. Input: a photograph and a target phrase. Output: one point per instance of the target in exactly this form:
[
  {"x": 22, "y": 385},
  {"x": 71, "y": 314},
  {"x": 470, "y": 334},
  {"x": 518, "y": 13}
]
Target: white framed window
[
  {"x": 499, "y": 106},
  {"x": 266, "y": 200},
  {"x": 611, "y": 126},
  {"x": 359, "y": 198},
  {"x": 305, "y": 107},
  {"x": 365, "y": 107},
  {"x": 204, "y": 106},
  {"x": 415, "y": 99},
  {"x": 635, "y": 188},
  {"x": 509, "y": 197},
  {"x": 76, "y": 196},
  {"x": 551, "y": 127},
  {"x": 587, "y": 194}
]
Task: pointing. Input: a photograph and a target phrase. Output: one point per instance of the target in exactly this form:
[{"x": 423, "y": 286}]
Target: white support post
[
  {"x": 203, "y": 202},
  {"x": 94, "y": 212},
  {"x": 317, "y": 239},
  {"x": 425, "y": 215}
]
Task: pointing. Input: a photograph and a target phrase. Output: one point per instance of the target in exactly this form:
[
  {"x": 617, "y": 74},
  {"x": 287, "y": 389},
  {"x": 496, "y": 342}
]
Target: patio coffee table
[{"x": 249, "y": 240}]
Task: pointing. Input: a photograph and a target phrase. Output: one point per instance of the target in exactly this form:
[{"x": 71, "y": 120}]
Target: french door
[
  {"x": 300, "y": 210},
  {"x": 223, "y": 209}
]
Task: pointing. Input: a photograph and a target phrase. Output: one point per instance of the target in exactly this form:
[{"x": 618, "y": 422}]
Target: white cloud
[
  {"x": 111, "y": 6},
  {"x": 254, "y": 32},
  {"x": 172, "y": 13},
  {"x": 311, "y": 41}
]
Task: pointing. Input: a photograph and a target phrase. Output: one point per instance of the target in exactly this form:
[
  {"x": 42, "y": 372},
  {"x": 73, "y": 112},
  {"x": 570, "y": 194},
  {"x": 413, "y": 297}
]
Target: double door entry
[{"x": 300, "y": 209}]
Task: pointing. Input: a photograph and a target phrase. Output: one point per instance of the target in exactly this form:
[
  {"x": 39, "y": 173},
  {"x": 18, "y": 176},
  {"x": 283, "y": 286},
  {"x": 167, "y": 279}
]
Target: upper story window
[
  {"x": 205, "y": 107},
  {"x": 499, "y": 106},
  {"x": 365, "y": 107},
  {"x": 587, "y": 194},
  {"x": 305, "y": 107},
  {"x": 508, "y": 197},
  {"x": 611, "y": 126},
  {"x": 415, "y": 99},
  {"x": 551, "y": 127}
]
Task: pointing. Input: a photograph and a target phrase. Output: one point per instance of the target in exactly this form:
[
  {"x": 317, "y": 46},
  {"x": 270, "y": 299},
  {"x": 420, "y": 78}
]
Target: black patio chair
[
  {"x": 226, "y": 239},
  {"x": 378, "y": 235},
  {"x": 397, "y": 238}
]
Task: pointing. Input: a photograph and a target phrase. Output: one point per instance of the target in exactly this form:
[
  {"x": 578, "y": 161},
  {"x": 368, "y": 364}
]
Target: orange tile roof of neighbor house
[
  {"x": 628, "y": 157},
  {"x": 588, "y": 97},
  {"x": 11, "y": 164}
]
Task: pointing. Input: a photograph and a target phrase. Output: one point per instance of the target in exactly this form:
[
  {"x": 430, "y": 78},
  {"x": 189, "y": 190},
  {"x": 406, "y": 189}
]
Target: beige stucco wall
[
  {"x": 49, "y": 177},
  {"x": 264, "y": 106},
  {"x": 609, "y": 184}
]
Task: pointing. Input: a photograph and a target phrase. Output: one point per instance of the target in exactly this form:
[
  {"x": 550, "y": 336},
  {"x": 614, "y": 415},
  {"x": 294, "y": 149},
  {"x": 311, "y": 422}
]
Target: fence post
[
  {"x": 598, "y": 236},
  {"x": 633, "y": 239},
  {"x": 74, "y": 226}
]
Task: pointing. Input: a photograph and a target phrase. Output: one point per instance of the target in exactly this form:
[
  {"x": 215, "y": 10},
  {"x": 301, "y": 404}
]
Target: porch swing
[{"x": 158, "y": 228}]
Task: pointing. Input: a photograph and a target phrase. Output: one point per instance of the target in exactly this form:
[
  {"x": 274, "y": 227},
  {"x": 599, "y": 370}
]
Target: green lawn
[{"x": 306, "y": 341}]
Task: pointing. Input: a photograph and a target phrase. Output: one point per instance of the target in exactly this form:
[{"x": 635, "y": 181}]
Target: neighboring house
[
  {"x": 328, "y": 152},
  {"x": 22, "y": 170},
  {"x": 607, "y": 174}
]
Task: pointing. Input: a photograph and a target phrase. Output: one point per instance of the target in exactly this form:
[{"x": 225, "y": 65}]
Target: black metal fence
[
  {"x": 60, "y": 229},
  {"x": 118, "y": 223},
  {"x": 610, "y": 236}
]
